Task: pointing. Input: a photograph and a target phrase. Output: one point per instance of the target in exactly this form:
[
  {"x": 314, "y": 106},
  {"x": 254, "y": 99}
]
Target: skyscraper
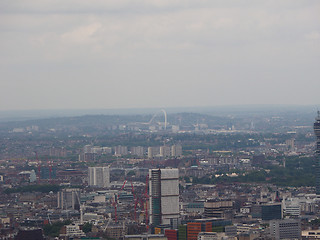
[
  {"x": 316, "y": 128},
  {"x": 164, "y": 195},
  {"x": 99, "y": 176}
]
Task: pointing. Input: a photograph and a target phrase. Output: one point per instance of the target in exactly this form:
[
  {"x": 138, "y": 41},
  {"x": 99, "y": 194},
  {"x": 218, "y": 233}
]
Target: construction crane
[
  {"x": 114, "y": 204},
  {"x": 147, "y": 197},
  {"x": 136, "y": 202},
  {"x": 115, "y": 201},
  {"x": 109, "y": 220}
]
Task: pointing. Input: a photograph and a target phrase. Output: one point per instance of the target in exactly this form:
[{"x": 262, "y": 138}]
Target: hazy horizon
[
  {"x": 158, "y": 54},
  {"x": 13, "y": 115}
]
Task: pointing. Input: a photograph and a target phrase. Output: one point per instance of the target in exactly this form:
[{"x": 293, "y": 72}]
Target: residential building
[
  {"x": 137, "y": 151},
  {"x": 120, "y": 150},
  {"x": 165, "y": 151},
  {"x": 176, "y": 150}
]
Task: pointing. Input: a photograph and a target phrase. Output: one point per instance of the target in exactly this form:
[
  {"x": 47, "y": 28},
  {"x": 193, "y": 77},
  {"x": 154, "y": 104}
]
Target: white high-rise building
[
  {"x": 137, "y": 151},
  {"x": 165, "y": 151},
  {"x": 99, "y": 176},
  {"x": 164, "y": 195},
  {"x": 176, "y": 150}
]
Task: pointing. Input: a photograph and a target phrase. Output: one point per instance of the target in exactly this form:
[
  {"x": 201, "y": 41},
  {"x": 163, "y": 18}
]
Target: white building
[
  {"x": 87, "y": 149},
  {"x": 120, "y": 150},
  {"x": 207, "y": 236},
  {"x": 176, "y": 150},
  {"x": 73, "y": 231},
  {"x": 165, "y": 151},
  {"x": 138, "y": 151},
  {"x": 99, "y": 176},
  {"x": 164, "y": 195},
  {"x": 153, "y": 151}
]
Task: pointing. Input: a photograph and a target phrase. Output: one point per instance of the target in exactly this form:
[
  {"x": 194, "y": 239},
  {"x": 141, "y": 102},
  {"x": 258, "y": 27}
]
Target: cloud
[
  {"x": 203, "y": 49},
  {"x": 313, "y": 36}
]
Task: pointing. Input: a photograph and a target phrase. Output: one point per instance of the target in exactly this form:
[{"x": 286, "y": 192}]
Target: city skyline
[{"x": 158, "y": 54}]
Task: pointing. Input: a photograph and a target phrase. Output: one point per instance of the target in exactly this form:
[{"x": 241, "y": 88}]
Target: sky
[{"x": 109, "y": 54}]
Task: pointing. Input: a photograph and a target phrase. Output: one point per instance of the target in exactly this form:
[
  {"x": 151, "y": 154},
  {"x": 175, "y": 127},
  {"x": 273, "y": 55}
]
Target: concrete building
[
  {"x": 207, "y": 236},
  {"x": 176, "y": 150},
  {"x": 137, "y": 151},
  {"x": 292, "y": 207},
  {"x": 217, "y": 208},
  {"x": 116, "y": 231},
  {"x": 165, "y": 151},
  {"x": 285, "y": 229},
  {"x": 310, "y": 234},
  {"x": 87, "y": 149},
  {"x": 72, "y": 231},
  {"x": 164, "y": 195},
  {"x": 146, "y": 237},
  {"x": 69, "y": 198},
  {"x": 99, "y": 176},
  {"x": 120, "y": 150},
  {"x": 153, "y": 151}
]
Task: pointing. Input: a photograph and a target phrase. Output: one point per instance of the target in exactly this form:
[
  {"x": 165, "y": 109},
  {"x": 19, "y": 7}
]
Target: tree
[{"x": 87, "y": 227}]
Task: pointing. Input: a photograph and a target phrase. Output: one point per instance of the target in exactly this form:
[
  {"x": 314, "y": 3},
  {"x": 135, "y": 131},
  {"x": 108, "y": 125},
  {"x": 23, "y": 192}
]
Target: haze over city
[{"x": 155, "y": 54}]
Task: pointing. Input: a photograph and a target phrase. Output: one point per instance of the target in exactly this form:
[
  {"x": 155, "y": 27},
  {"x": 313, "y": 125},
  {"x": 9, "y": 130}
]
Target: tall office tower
[
  {"x": 316, "y": 128},
  {"x": 69, "y": 198},
  {"x": 163, "y": 195},
  {"x": 99, "y": 176}
]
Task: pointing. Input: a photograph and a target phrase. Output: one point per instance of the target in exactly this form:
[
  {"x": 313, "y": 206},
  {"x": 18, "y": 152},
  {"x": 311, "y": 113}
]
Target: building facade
[
  {"x": 285, "y": 229},
  {"x": 163, "y": 195},
  {"x": 69, "y": 198},
  {"x": 99, "y": 176}
]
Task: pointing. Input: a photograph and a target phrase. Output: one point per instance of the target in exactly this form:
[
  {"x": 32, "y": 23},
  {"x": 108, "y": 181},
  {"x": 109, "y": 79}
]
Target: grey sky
[{"x": 57, "y": 54}]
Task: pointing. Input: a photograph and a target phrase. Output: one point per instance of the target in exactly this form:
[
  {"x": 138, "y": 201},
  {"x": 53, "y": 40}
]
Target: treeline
[
  {"x": 299, "y": 171},
  {"x": 34, "y": 188},
  {"x": 53, "y": 230}
]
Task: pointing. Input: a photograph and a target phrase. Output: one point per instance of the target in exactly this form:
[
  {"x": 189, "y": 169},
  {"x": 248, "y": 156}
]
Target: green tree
[{"x": 87, "y": 227}]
